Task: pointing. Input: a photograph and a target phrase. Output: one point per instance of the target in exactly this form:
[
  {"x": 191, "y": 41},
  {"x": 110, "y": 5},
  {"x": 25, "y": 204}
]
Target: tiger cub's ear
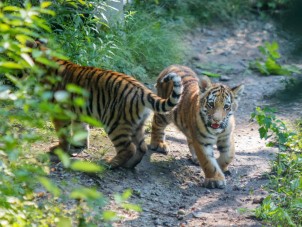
[
  {"x": 237, "y": 91},
  {"x": 205, "y": 84}
]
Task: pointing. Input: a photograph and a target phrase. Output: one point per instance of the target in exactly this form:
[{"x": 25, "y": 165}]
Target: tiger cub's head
[{"x": 218, "y": 103}]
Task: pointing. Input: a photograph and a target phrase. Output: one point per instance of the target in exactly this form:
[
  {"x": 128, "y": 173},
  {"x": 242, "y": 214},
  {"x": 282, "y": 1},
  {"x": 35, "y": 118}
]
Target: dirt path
[{"x": 169, "y": 187}]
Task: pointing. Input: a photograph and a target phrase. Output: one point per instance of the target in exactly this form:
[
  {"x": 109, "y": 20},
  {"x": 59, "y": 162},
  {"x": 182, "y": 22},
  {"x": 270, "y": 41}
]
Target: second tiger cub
[{"x": 205, "y": 115}]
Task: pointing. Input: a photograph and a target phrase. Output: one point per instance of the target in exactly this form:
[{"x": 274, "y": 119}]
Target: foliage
[
  {"x": 145, "y": 49},
  {"x": 283, "y": 206},
  {"x": 272, "y": 6},
  {"x": 25, "y": 109},
  {"x": 194, "y": 12},
  {"x": 131, "y": 46},
  {"x": 268, "y": 64}
]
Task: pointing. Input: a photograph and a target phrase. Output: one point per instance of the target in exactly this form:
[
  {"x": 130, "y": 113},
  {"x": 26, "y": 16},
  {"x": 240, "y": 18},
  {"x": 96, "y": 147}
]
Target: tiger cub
[
  {"x": 117, "y": 100},
  {"x": 205, "y": 115}
]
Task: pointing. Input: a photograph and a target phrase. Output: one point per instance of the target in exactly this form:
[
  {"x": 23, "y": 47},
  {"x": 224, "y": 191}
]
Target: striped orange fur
[
  {"x": 205, "y": 115},
  {"x": 117, "y": 100}
]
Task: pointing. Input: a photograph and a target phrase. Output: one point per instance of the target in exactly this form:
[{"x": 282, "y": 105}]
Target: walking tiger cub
[
  {"x": 117, "y": 100},
  {"x": 205, "y": 115}
]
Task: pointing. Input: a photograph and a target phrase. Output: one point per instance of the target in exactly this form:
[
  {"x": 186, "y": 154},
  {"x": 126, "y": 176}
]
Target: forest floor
[{"x": 169, "y": 187}]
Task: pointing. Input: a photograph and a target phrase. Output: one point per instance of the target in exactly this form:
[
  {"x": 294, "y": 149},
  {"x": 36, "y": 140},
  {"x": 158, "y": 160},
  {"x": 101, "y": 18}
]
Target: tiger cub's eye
[
  {"x": 210, "y": 105},
  {"x": 227, "y": 106}
]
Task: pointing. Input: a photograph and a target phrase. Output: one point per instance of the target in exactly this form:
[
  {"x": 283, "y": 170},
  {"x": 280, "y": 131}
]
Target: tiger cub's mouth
[{"x": 215, "y": 126}]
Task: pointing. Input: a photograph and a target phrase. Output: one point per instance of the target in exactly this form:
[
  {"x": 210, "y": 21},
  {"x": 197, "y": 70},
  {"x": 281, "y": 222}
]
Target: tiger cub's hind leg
[
  {"x": 141, "y": 148},
  {"x": 158, "y": 143},
  {"x": 121, "y": 138},
  {"x": 63, "y": 131}
]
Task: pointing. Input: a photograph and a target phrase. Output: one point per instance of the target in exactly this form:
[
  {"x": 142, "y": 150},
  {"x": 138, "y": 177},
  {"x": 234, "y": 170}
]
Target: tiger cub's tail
[{"x": 161, "y": 105}]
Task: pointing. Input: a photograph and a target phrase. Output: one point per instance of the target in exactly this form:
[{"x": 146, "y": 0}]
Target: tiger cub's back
[{"x": 120, "y": 102}]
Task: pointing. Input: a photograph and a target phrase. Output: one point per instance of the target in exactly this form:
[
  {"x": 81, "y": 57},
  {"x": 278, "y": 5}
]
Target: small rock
[
  {"x": 224, "y": 78},
  {"x": 181, "y": 212},
  {"x": 225, "y": 53},
  {"x": 199, "y": 214},
  {"x": 196, "y": 58},
  {"x": 236, "y": 188},
  {"x": 258, "y": 200},
  {"x": 207, "y": 192},
  {"x": 156, "y": 222},
  {"x": 180, "y": 218}
]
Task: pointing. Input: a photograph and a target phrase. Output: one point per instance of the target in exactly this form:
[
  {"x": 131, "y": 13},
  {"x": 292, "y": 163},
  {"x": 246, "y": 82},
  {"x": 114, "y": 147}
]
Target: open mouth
[{"x": 215, "y": 126}]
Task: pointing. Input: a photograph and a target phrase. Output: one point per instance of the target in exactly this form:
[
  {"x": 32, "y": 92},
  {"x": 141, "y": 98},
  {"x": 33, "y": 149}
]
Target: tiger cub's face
[{"x": 218, "y": 103}]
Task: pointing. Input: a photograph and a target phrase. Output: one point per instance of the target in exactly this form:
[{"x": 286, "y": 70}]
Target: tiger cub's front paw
[
  {"x": 160, "y": 148},
  {"x": 214, "y": 183}
]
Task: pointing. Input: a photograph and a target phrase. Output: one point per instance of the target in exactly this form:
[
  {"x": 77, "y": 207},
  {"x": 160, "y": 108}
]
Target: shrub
[
  {"x": 25, "y": 109},
  {"x": 283, "y": 206}
]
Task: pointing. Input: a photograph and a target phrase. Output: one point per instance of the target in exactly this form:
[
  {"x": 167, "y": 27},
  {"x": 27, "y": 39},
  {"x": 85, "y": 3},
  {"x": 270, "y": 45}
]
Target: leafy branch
[{"x": 268, "y": 64}]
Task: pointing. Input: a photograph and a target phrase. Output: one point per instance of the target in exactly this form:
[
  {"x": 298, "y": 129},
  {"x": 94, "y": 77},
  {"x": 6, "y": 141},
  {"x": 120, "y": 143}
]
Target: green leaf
[
  {"x": 210, "y": 74},
  {"x": 4, "y": 27},
  {"x": 109, "y": 215},
  {"x": 63, "y": 157},
  {"x": 11, "y": 8},
  {"x": 130, "y": 206},
  {"x": 263, "y": 132},
  {"x": 86, "y": 194},
  {"x": 64, "y": 222},
  {"x": 10, "y": 65},
  {"x": 79, "y": 101},
  {"x": 46, "y": 61},
  {"x": 51, "y": 187},
  {"x": 272, "y": 66},
  {"x": 72, "y": 88},
  {"x": 85, "y": 166},
  {"x": 262, "y": 50},
  {"x": 45, "y": 4},
  {"x": 91, "y": 121},
  {"x": 127, "y": 194},
  {"x": 79, "y": 136}
]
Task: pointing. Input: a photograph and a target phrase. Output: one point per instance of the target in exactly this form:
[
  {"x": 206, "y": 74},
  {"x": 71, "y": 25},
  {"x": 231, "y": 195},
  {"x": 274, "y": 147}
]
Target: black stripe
[
  {"x": 157, "y": 105},
  {"x": 163, "y": 118},
  {"x": 163, "y": 107},
  {"x": 123, "y": 144},
  {"x": 66, "y": 74},
  {"x": 113, "y": 84},
  {"x": 133, "y": 120},
  {"x": 120, "y": 136},
  {"x": 91, "y": 93},
  {"x": 150, "y": 100},
  {"x": 170, "y": 103},
  {"x": 80, "y": 74},
  {"x": 101, "y": 104},
  {"x": 112, "y": 128},
  {"x": 137, "y": 109},
  {"x": 204, "y": 135},
  {"x": 223, "y": 149},
  {"x": 96, "y": 93},
  {"x": 125, "y": 103},
  {"x": 143, "y": 97},
  {"x": 175, "y": 95}
]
